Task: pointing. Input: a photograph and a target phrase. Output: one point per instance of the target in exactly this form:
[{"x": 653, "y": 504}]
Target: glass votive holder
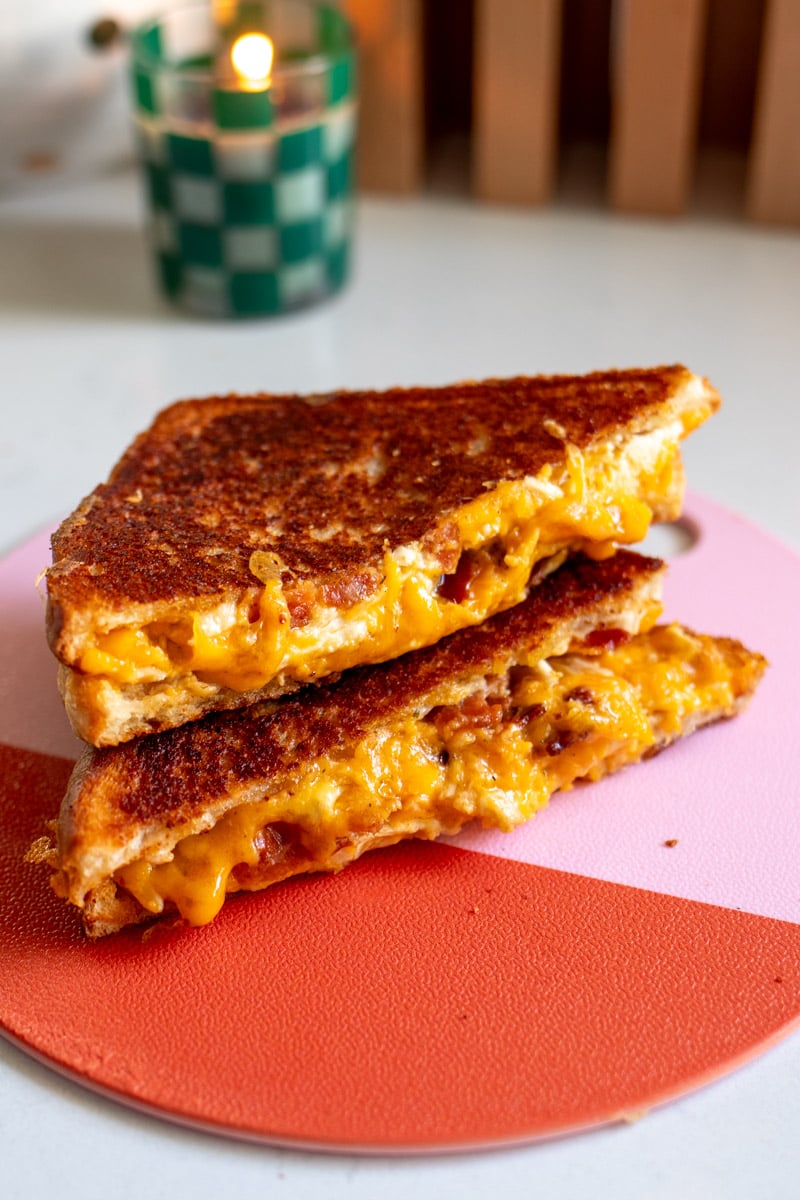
[{"x": 245, "y": 113}]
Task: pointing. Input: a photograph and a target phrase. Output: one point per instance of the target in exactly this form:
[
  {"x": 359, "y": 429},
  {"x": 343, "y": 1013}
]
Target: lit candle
[
  {"x": 246, "y": 128},
  {"x": 252, "y": 55}
]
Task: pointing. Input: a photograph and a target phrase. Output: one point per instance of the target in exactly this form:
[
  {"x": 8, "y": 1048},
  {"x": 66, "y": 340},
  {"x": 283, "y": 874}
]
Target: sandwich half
[
  {"x": 245, "y": 546},
  {"x": 484, "y": 726}
]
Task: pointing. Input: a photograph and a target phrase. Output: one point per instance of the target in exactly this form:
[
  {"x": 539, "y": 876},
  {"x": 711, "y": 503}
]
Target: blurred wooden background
[{"x": 517, "y": 82}]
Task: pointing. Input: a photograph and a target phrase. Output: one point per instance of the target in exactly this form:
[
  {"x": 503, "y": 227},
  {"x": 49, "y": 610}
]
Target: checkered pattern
[{"x": 251, "y": 208}]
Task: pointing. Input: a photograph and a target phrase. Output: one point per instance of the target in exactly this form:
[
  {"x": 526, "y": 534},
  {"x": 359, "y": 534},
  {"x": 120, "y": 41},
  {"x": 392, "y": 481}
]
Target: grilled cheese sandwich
[{"x": 247, "y": 546}]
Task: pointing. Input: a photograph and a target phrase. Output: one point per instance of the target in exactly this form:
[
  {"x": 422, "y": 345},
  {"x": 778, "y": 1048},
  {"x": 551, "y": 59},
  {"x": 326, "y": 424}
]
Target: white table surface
[{"x": 444, "y": 290}]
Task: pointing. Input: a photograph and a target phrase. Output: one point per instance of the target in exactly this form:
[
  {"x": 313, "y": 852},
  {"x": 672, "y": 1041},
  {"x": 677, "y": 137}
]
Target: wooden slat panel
[
  {"x": 390, "y": 148},
  {"x": 774, "y": 168},
  {"x": 516, "y": 56},
  {"x": 730, "y": 70},
  {"x": 654, "y": 105}
]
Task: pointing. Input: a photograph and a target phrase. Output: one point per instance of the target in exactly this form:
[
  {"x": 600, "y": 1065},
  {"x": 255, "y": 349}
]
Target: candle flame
[{"x": 252, "y": 55}]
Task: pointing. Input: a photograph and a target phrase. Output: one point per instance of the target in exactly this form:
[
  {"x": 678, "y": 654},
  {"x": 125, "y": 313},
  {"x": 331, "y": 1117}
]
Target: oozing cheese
[
  {"x": 507, "y": 532},
  {"x": 496, "y": 757}
]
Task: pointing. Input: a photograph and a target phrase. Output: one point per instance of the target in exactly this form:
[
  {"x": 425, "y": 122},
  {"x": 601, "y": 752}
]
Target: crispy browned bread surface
[{"x": 330, "y": 482}]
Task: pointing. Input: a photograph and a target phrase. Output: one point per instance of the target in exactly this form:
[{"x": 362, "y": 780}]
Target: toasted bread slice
[
  {"x": 484, "y": 726},
  {"x": 244, "y": 546}
]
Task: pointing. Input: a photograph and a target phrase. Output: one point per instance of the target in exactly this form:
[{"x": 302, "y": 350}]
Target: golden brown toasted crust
[
  {"x": 179, "y": 776},
  {"x": 330, "y": 483}
]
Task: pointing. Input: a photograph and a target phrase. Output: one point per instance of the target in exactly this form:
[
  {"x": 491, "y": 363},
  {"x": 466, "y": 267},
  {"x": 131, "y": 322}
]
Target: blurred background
[{"x": 643, "y": 105}]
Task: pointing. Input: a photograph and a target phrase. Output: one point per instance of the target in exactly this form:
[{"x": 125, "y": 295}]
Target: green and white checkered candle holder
[{"x": 250, "y": 180}]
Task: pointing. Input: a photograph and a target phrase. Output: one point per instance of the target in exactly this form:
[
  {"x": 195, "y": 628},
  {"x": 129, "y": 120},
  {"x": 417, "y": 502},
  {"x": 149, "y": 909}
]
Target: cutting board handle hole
[{"x": 672, "y": 538}]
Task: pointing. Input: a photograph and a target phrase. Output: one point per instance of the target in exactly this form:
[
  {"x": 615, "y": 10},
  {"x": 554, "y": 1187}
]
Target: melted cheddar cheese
[
  {"x": 495, "y": 756},
  {"x": 507, "y": 532}
]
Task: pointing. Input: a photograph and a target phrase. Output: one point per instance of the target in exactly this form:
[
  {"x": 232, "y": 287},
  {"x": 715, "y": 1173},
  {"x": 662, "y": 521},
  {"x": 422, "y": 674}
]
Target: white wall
[{"x": 64, "y": 106}]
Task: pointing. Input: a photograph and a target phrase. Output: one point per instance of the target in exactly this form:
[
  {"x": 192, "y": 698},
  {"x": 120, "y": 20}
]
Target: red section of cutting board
[{"x": 427, "y": 997}]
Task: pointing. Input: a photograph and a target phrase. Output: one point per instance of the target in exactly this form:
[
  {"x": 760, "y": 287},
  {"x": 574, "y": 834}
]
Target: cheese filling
[
  {"x": 502, "y": 535},
  {"x": 496, "y": 756}
]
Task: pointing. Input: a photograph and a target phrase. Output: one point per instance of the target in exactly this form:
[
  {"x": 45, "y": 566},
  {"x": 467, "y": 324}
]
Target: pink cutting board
[{"x": 493, "y": 989}]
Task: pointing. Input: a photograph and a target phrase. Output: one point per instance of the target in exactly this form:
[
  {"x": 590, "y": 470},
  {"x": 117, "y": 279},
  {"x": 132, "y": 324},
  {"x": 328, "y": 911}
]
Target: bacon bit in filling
[
  {"x": 343, "y": 593},
  {"x": 606, "y": 639},
  {"x": 476, "y": 712},
  {"x": 299, "y": 606},
  {"x": 456, "y": 587},
  {"x": 278, "y": 847},
  {"x": 562, "y": 739}
]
